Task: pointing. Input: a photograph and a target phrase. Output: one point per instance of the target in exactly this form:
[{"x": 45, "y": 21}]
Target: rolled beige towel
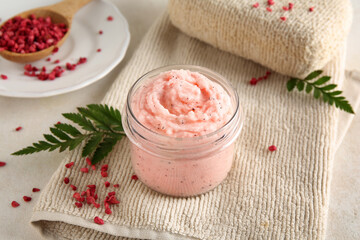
[{"x": 292, "y": 42}]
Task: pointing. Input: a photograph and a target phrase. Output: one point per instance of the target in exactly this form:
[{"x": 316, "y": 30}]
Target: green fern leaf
[
  {"x": 60, "y": 134},
  {"x": 103, "y": 149},
  {"x": 77, "y": 141},
  {"x": 322, "y": 80},
  {"x": 291, "y": 84},
  {"x": 80, "y": 120},
  {"x": 43, "y": 145},
  {"x": 104, "y": 126},
  {"x": 99, "y": 120},
  {"x": 335, "y": 93},
  {"x": 313, "y": 75},
  {"x": 92, "y": 144},
  {"x": 330, "y": 97},
  {"x": 111, "y": 115},
  {"x": 308, "y": 88},
  {"x": 344, "y": 105},
  {"x": 329, "y": 87},
  {"x": 325, "y": 97},
  {"x": 26, "y": 151},
  {"x": 300, "y": 86},
  {"x": 68, "y": 129},
  {"x": 317, "y": 93},
  {"x": 51, "y": 138}
]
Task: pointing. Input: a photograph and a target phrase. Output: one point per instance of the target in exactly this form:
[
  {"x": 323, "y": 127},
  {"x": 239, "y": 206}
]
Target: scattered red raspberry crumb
[
  {"x": 291, "y": 6},
  {"x": 3, "y": 77},
  {"x": 98, "y": 50},
  {"x": 268, "y": 9},
  {"x": 254, "y": 81},
  {"x": 66, "y": 180},
  {"x": 78, "y": 204},
  {"x": 104, "y": 174},
  {"x": 26, "y": 198},
  {"x": 134, "y": 177},
  {"x": 104, "y": 167},
  {"x": 108, "y": 211},
  {"x": 109, "y": 200},
  {"x": 18, "y": 129},
  {"x": 58, "y": 122},
  {"x": 110, "y": 18},
  {"x": 101, "y": 32},
  {"x": 283, "y": 19},
  {"x": 272, "y": 148},
  {"x": 111, "y": 194},
  {"x": 82, "y": 60},
  {"x": 84, "y": 170},
  {"x": 15, "y": 204},
  {"x": 57, "y": 61},
  {"x": 36, "y": 190},
  {"x": 271, "y": 2},
  {"x": 56, "y": 49},
  {"x": 56, "y": 72},
  {"x": 74, "y": 188},
  {"x": 2, "y": 164},
  {"x": 32, "y": 71},
  {"x": 99, "y": 221},
  {"x": 30, "y": 34},
  {"x": 88, "y": 161},
  {"x": 285, "y": 8},
  {"x": 78, "y": 197},
  {"x": 70, "y": 66},
  {"x": 116, "y": 185},
  {"x": 311, "y": 9},
  {"x": 48, "y": 59},
  {"x": 107, "y": 184},
  {"x": 91, "y": 197},
  {"x": 256, "y": 5},
  {"x": 69, "y": 165}
]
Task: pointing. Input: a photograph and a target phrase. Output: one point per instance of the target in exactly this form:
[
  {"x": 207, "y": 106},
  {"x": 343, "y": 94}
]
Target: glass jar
[{"x": 182, "y": 166}]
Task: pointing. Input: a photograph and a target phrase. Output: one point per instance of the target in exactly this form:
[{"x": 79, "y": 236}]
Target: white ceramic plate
[{"x": 83, "y": 41}]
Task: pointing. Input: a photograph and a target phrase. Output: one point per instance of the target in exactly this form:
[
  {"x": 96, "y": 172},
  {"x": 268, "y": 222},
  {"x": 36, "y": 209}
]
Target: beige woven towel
[
  {"x": 304, "y": 42},
  {"x": 267, "y": 195}
]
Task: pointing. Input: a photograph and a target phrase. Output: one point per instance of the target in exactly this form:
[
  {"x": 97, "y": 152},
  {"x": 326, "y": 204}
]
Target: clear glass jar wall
[{"x": 182, "y": 166}]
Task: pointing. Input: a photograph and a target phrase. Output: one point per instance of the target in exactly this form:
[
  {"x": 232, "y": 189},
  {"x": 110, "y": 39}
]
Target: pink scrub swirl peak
[{"x": 182, "y": 122}]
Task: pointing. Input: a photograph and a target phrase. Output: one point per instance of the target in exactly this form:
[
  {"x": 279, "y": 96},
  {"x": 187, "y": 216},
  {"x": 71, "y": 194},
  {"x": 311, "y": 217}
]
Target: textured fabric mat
[{"x": 278, "y": 195}]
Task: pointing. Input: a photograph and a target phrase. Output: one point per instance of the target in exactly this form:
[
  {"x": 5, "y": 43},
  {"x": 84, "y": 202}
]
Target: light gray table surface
[{"x": 21, "y": 174}]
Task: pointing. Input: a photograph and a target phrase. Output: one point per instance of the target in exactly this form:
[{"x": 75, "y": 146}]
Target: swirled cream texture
[{"x": 181, "y": 103}]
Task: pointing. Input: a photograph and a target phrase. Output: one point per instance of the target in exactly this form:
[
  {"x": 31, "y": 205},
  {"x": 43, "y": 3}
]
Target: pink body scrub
[
  {"x": 182, "y": 125},
  {"x": 182, "y": 104}
]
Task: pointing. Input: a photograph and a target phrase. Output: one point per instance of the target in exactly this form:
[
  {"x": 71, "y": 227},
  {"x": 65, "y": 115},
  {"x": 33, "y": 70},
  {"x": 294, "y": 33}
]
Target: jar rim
[{"x": 237, "y": 110}]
